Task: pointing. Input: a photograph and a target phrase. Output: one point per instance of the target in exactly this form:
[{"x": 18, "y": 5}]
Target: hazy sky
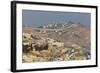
[{"x": 34, "y": 17}]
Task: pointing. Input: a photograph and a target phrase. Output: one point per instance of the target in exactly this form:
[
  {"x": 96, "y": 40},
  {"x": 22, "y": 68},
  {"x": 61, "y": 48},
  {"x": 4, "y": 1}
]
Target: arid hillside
[{"x": 56, "y": 43}]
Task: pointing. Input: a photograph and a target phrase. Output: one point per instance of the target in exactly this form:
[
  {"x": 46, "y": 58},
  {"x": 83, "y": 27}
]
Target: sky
[{"x": 38, "y": 18}]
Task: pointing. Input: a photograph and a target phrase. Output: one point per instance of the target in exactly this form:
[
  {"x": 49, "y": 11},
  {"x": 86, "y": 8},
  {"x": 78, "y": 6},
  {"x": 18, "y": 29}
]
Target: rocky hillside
[
  {"x": 73, "y": 34},
  {"x": 56, "y": 42}
]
